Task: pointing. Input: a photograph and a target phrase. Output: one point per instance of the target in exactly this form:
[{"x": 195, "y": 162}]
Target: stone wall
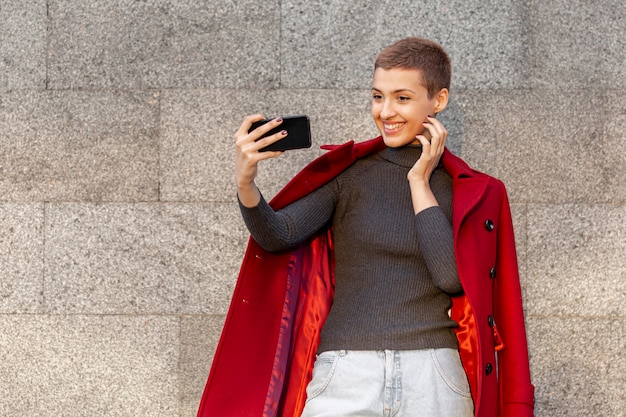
[{"x": 120, "y": 236}]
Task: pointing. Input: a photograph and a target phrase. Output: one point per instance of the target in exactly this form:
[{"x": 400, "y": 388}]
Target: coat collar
[{"x": 468, "y": 187}]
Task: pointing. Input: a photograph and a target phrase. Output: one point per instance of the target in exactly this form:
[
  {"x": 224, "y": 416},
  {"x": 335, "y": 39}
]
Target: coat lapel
[{"x": 467, "y": 188}]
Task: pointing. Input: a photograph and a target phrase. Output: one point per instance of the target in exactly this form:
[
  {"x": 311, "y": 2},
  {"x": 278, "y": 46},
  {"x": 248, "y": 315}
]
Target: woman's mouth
[{"x": 393, "y": 127}]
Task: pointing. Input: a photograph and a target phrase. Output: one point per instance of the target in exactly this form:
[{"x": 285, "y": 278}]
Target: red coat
[{"x": 264, "y": 358}]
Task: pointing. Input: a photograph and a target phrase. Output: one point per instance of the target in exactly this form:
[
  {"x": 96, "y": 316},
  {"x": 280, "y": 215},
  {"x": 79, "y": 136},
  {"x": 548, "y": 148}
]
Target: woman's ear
[{"x": 442, "y": 100}]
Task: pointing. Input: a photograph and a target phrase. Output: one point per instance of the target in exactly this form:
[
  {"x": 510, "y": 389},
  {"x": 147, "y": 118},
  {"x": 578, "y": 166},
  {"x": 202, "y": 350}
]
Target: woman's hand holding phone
[
  {"x": 259, "y": 138},
  {"x": 248, "y": 143}
]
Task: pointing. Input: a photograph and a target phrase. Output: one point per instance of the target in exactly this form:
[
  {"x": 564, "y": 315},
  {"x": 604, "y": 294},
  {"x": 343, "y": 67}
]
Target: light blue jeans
[{"x": 402, "y": 383}]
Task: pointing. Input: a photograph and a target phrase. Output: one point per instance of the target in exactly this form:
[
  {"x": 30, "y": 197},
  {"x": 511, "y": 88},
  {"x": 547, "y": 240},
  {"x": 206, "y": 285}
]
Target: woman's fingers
[
  {"x": 248, "y": 142},
  {"x": 253, "y": 137},
  {"x": 433, "y": 141},
  {"x": 247, "y": 124},
  {"x": 438, "y": 134}
]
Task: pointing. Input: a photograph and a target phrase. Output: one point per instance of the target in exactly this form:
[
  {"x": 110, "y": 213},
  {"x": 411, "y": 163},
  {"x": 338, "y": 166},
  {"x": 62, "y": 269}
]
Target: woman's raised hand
[
  {"x": 432, "y": 149},
  {"x": 248, "y": 155},
  {"x": 419, "y": 175}
]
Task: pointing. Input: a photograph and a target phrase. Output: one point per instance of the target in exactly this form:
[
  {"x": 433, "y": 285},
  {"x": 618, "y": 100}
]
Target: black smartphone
[{"x": 298, "y": 133}]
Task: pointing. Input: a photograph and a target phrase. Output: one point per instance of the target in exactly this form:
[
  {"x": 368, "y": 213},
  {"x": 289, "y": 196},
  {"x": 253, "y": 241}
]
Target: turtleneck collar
[{"x": 405, "y": 156}]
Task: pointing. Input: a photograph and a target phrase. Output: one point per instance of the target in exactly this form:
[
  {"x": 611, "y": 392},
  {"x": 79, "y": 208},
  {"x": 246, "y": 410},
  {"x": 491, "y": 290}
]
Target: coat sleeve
[{"x": 516, "y": 390}]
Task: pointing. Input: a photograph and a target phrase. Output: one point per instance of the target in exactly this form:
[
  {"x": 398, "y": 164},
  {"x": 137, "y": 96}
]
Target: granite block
[
  {"x": 21, "y": 258},
  {"x": 114, "y": 366},
  {"x": 22, "y": 44},
  {"x": 198, "y": 336},
  {"x": 155, "y": 44},
  {"x": 479, "y": 132},
  {"x": 578, "y": 366},
  {"x": 452, "y": 119},
  {"x": 198, "y": 152},
  {"x": 615, "y": 146},
  {"x": 539, "y": 143},
  {"x": 142, "y": 259},
  {"x": 79, "y": 146},
  {"x": 334, "y": 44},
  {"x": 577, "y": 44},
  {"x": 575, "y": 260}
]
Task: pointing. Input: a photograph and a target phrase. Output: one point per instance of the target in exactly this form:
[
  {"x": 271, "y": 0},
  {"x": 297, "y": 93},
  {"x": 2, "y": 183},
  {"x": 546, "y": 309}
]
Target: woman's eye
[
  {"x": 404, "y": 98},
  {"x": 376, "y": 97}
]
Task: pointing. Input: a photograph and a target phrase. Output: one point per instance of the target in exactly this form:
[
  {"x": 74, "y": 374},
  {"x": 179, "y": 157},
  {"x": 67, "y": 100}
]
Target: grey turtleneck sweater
[{"x": 394, "y": 270}]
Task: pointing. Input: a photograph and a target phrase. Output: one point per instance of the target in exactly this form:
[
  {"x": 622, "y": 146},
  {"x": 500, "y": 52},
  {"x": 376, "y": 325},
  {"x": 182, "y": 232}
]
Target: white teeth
[{"x": 393, "y": 126}]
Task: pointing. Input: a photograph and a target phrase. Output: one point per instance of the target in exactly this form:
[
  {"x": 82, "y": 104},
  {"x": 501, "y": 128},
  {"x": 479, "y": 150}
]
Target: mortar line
[
  {"x": 44, "y": 223},
  {"x": 47, "y": 48},
  {"x": 280, "y": 44},
  {"x": 160, "y": 145}
]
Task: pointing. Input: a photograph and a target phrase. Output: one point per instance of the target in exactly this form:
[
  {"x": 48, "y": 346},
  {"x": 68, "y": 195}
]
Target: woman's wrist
[
  {"x": 249, "y": 195},
  {"x": 422, "y": 195}
]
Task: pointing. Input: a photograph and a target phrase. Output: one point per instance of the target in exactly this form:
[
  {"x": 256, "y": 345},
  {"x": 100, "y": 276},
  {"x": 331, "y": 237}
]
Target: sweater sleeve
[
  {"x": 286, "y": 228},
  {"x": 436, "y": 241}
]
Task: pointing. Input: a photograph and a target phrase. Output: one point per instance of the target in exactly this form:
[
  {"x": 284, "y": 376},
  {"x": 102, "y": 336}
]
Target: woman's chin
[{"x": 397, "y": 141}]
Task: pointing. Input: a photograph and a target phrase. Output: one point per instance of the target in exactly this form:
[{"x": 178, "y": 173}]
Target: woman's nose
[{"x": 387, "y": 110}]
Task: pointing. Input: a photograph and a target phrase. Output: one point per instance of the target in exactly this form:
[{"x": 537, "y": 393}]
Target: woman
[{"x": 355, "y": 265}]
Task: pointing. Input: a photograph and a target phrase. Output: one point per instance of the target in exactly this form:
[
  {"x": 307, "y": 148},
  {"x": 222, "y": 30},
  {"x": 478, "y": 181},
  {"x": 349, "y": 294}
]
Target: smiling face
[{"x": 400, "y": 105}]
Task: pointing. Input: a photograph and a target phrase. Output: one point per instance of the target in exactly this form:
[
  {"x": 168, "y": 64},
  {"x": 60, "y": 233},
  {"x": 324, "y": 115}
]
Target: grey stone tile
[
  {"x": 577, "y": 44},
  {"x": 79, "y": 146},
  {"x": 144, "y": 258},
  {"x": 199, "y": 336},
  {"x": 478, "y": 141},
  {"x": 153, "y": 44},
  {"x": 578, "y": 366},
  {"x": 113, "y": 366},
  {"x": 198, "y": 152},
  {"x": 21, "y": 258},
  {"x": 538, "y": 143},
  {"x": 452, "y": 119},
  {"x": 615, "y": 146},
  {"x": 576, "y": 264},
  {"x": 23, "y": 44},
  {"x": 334, "y": 44}
]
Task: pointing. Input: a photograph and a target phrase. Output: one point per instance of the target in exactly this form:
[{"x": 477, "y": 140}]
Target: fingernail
[
  {"x": 279, "y": 119},
  {"x": 283, "y": 132}
]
